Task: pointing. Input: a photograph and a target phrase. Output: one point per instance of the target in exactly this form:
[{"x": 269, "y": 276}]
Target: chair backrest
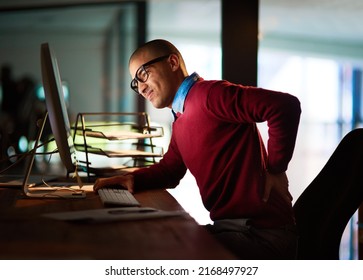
[{"x": 325, "y": 207}]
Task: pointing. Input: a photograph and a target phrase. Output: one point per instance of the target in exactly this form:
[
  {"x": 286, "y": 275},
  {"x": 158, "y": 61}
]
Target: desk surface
[{"x": 24, "y": 234}]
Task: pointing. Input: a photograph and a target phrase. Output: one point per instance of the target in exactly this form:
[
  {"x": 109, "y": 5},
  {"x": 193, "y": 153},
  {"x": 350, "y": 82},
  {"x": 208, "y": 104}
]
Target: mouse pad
[{"x": 113, "y": 214}]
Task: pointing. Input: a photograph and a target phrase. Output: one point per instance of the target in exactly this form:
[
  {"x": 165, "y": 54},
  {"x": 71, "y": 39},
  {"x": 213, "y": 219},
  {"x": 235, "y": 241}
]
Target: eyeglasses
[{"x": 142, "y": 74}]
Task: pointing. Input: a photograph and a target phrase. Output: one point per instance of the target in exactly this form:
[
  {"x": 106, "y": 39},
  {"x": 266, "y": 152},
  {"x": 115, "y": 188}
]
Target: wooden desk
[{"x": 24, "y": 234}]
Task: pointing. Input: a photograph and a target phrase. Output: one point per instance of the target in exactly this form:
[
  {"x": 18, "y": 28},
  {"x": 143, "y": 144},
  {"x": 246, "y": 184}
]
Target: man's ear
[{"x": 174, "y": 62}]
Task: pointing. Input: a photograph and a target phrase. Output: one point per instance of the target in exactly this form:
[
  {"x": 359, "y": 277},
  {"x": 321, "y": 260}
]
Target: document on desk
[{"x": 113, "y": 214}]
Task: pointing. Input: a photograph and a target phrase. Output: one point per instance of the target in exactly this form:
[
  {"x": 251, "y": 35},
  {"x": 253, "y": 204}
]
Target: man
[{"x": 214, "y": 135}]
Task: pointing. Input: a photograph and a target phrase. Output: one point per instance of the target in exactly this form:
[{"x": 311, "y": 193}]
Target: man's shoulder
[{"x": 209, "y": 85}]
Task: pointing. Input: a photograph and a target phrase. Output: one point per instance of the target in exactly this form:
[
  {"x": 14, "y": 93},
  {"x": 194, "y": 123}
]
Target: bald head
[{"x": 157, "y": 48}]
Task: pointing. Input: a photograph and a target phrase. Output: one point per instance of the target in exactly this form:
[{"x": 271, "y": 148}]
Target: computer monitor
[{"x": 56, "y": 107}]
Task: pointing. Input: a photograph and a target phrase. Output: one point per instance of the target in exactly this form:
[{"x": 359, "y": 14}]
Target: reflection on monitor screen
[{"x": 56, "y": 107}]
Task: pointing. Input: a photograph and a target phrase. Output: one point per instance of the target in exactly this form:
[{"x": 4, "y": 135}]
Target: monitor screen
[{"x": 56, "y": 107}]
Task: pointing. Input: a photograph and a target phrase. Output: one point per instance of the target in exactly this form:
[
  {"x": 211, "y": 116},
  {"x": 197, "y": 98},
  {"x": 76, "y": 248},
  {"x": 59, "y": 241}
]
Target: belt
[
  {"x": 231, "y": 224},
  {"x": 237, "y": 224}
]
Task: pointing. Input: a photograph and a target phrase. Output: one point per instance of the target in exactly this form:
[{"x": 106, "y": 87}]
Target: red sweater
[{"x": 216, "y": 138}]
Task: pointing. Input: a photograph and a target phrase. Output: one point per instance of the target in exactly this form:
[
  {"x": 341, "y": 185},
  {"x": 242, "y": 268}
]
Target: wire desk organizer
[{"x": 128, "y": 136}]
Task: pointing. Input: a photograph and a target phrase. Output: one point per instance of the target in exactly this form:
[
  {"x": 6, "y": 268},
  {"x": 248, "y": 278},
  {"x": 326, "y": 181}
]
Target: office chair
[{"x": 325, "y": 207}]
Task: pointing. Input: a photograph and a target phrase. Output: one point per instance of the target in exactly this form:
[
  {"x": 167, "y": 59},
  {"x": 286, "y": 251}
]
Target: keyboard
[{"x": 119, "y": 197}]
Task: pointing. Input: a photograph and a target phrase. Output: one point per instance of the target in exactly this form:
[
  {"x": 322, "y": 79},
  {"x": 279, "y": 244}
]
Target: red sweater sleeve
[
  {"x": 244, "y": 104},
  {"x": 165, "y": 174}
]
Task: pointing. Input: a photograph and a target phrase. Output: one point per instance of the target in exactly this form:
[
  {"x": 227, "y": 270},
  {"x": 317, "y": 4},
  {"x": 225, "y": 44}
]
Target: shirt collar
[{"x": 178, "y": 102}]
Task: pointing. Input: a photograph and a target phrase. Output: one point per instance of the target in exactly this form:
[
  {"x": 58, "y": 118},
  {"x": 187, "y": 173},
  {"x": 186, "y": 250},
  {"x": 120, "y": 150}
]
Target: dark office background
[{"x": 312, "y": 49}]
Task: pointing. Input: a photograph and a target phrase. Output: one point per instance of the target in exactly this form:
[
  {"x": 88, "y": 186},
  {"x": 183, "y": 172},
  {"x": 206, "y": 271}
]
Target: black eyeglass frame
[{"x": 135, "y": 81}]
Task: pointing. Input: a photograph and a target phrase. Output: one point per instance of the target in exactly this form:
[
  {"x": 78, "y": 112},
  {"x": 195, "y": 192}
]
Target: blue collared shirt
[{"x": 179, "y": 99}]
